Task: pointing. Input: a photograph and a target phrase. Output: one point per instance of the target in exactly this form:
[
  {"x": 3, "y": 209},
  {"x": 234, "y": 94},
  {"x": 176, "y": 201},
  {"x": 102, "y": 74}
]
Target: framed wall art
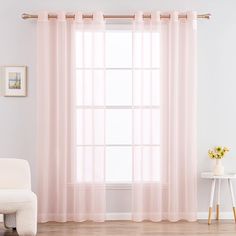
[{"x": 15, "y": 81}]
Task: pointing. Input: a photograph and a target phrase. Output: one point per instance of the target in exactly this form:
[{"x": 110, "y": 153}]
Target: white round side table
[{"x": 214, "y": 178}]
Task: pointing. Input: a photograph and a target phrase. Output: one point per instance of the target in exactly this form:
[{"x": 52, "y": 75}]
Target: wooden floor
[{"x": 127, "y": 228}]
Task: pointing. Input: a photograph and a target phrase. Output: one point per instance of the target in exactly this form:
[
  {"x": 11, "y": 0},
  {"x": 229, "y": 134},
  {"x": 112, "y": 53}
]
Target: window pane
[
  {"x": 119, "y": 164},
  {"x": 144, "y": 132},
  {"x": 84, "y": 127},
  {"x": 155, "y": 50},
  {"x": 99, "y": 87},
  {"x": 142, "y": 87},
  {"x": 146, "y": 49},
  {"x": 89, "y": 164},
  {"x": 146, "y": 87},
  {"x": 79, "y": 88},
  {"x": 118, "y": 126},
  {"x": 147, "y": 159},
  {"x": 90, "y": 127},
  {"x": 156, "y": 128},
  {"x": 156, "y": 88},
  {"x": 119, "y": 49},
  {"x": 88, "y": 46},
  {"x": 137, "y": 58},
  {"x": 99, "y": 44},
  {"x": 142, "y": 126},
  {"x": 79, "y": 49},
  {"x": 85, "y": 86},
  {"x": 118, "y": 87}
]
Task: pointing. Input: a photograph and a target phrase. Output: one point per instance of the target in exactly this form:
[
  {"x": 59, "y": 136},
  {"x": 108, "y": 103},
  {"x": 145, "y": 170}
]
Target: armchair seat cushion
[
  {"x": 16, "y": 196},
  {"x": 14, "y": 200}
]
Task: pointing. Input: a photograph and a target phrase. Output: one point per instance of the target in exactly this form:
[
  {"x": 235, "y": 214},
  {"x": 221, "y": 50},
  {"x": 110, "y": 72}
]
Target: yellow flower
[
  {"x": 211, "y": 154},
  {"x": 225, "y": 149},
  {"x": 218, "y": 152},
  {"x": 218, "y": 149}
]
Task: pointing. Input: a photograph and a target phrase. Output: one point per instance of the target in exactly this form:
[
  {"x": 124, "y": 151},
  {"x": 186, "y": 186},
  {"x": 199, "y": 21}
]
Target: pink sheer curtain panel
[
  {"x": 70, "y": 176},
  {"x": 164, "y": 130}
]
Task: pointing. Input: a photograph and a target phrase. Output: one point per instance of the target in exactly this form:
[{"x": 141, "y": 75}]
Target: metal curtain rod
[{"x": 26, "y": 16}]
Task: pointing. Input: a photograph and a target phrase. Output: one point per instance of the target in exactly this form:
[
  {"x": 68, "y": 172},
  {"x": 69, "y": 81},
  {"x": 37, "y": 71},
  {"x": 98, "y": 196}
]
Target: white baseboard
[
  {"x": 223, "y": 215},
  {"x": 200, "y": 216},
  {"x": 127, "y": 216},
  {"x": 118, "y": 216}
]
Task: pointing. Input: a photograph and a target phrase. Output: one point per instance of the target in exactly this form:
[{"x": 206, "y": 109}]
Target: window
[{"x": 122, "y": 99}]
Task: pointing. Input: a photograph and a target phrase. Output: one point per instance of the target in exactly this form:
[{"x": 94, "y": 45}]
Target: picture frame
[{"x": 15, "y": 81}]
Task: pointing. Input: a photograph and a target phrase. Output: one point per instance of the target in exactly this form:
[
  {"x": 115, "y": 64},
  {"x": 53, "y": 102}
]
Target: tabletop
[{"x": 210, "y": 175}]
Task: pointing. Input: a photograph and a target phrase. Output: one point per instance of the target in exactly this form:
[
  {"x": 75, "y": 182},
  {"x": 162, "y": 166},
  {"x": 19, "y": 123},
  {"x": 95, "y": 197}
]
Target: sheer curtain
[
  {"x": 70, "y": 171},
  {"x": 164, "y": 157}
]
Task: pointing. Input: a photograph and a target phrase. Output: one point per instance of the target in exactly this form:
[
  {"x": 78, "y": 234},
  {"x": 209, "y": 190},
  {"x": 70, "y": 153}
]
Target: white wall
[{"x": 216, "y": 76}]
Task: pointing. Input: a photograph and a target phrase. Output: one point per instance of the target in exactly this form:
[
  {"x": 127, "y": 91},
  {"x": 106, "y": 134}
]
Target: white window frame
[{"x": 118, "y": 185}]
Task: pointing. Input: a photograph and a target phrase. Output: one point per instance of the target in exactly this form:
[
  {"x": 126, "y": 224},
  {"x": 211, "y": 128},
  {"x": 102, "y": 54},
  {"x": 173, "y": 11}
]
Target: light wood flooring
[{"x": 128, "y": 228}]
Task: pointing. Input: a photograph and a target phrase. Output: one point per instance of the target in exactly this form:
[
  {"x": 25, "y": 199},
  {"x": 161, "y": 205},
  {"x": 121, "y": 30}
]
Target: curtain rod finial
[
  {"x": 24, "y": 16},
  {"x": 208, "y": 16}
]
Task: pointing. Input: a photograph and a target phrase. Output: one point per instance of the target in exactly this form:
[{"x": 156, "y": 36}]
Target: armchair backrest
[{"x": 14, "y": 174}]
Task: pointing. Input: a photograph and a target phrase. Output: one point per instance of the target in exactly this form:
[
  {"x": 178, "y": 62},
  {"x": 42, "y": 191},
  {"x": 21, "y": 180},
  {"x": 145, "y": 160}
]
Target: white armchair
[{"x": 18, "y": 203}]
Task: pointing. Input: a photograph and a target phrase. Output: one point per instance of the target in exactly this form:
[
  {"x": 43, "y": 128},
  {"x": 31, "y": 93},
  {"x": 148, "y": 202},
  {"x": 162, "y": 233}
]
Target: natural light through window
[{"x": 121, "y": 98}]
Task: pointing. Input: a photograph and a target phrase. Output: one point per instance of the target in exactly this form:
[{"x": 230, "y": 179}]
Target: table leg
[
  {"x": 211, "y": 200},
  {"x": 232, "y": 197},
  {"x": 218, "y": 201}
]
